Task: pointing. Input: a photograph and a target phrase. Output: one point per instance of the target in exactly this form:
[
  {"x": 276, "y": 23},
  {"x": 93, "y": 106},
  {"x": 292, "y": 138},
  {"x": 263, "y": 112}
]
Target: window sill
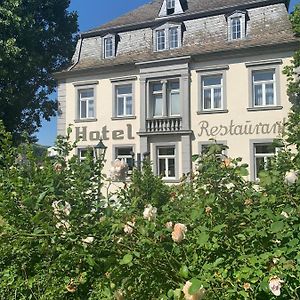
[
  {"x": 85, "y": 120},
  {"x": 205, "y": 112},
  {"x": 264, "y": 108},
  {"x": 124, "y": 118},
  {"x": 168, "y": 180}
]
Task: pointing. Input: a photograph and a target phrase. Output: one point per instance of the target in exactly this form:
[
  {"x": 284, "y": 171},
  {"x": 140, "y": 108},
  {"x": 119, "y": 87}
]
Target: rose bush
[{"x": 213, "y": 236}]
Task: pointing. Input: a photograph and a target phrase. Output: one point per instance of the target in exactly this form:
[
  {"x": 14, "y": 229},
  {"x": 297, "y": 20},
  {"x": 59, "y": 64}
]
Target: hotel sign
[{"x": 104, "y": 134}]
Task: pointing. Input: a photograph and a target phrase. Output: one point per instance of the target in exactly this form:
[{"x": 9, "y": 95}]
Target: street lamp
[{"x": 100, "y": 150}]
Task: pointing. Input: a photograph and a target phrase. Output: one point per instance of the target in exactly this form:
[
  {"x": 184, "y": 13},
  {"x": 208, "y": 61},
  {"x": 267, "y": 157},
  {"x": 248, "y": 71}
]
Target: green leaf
[
  {"x": 108, "y": 211},
  {"x": 184, "y": 271},
  {"x": 277, "y": 226},
  {"x": 127, "y": 259},
  {"x": 203, "y": 238},
  {"x": 242, "y": 171},
  {"x": 42, "y": 196},
  {"x": 90, "y": 260},
  {"x": 195, "y": 287}
]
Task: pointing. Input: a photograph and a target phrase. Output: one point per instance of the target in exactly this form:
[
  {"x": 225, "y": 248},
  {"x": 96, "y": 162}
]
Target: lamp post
[{"x": 99, "y": 152}]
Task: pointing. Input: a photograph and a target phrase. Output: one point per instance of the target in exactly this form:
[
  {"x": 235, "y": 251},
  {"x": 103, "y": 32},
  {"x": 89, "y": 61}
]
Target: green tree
[
  {"x": 37, "y": 38},
  {"x": 292, "y": 72}
]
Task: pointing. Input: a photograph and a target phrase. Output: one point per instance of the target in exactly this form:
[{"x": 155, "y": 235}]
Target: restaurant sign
[{"x": 247, "y": 128}]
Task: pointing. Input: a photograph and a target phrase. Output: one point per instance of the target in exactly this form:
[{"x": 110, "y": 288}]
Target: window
[
  {"x": 170, "y": 4},
  {"x": 220, "y": 148},
  {"x": 86, "y": 104},
  {"x": 157, "y": 99},
  {"x": 84, "y": 152},
  {"x": 160, "y": 40},
  {"x": 167, "y": 37},
  {"x": 173, "y": 38},
  {"x": 174, "y": 98},
  {"x": 263, "y": 85},
  {"x": 109, "y": 47},
  {"x": 236, "y": 25},
  {"x": 170, "y": 7},
  {"x": 165, "y": 98},
  {"x": 236, "y": 28},
  {"x": 262, "y": 156},
  {"x": 166, "y": 162},
  {"x": 124, "y": 100},
  {"x": 125, "y": 154},
  {"x": 212, "y": 92}
]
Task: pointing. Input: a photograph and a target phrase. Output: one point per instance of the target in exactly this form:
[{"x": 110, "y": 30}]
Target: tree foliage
[{"x": 36, "y": 40}]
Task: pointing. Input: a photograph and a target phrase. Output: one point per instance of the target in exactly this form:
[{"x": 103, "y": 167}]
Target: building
[{"x": 171, "y": 75}]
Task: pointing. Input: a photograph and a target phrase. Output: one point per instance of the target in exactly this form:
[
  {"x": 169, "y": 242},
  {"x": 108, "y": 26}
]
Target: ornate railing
[{"x": 164, "y": 124}]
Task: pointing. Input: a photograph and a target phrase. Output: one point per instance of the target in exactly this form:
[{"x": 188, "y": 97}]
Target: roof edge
[
  {"x": 282, "y": 47},
  {"x": 180, "y": 17}
]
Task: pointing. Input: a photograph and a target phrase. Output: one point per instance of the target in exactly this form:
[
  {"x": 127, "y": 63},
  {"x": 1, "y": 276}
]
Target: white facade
[{"x": 162, "y": 93}]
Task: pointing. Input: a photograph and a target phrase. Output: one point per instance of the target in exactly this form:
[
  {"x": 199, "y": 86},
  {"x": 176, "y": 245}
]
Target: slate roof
[
  {"x": 148, "y": 13},
  {"x": 277, "y": 32}
]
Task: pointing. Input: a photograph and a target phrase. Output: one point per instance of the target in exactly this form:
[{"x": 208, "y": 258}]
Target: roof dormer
[{"x": 170, "y": 7}]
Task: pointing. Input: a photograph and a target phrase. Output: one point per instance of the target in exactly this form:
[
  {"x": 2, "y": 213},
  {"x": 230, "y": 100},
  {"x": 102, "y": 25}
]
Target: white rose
[
  {"x": 169, "y": 225},
  {"x": 229, "y": 185},
  {"x": 284, "y": 214},
  {"x": 275, "y": 285},
  {"x": 88, "y": 240},
  {"x": 150, "y": 213},
  {"x": 291, "y": 177},
  {"x": 128, "y": 228}
]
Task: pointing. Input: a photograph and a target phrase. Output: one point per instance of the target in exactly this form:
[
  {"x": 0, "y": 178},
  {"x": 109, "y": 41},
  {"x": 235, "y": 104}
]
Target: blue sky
[{"x": 93, "y": 13}]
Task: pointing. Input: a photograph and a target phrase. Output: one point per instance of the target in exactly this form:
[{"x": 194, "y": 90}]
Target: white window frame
[
  {"x": 266, "y": 156},
  {"x": 124, "y": 157},
  {"x": 152, "y": 103},
  {"x": 158, "y": 38},
  {"x": 212, "y": 92},
  {"x": 236, "y": 23},
  {"x": 125, "y": 99},
  {"x": 170, "y": 92},
  {"x": 170, "y": 37},
  {"x": 170, "y": 4},
  {"x": 81, "y": 150},
  {"x": 166, "y": 158},
  {"x": 241, "y": 16},
  {"x": 87, "y": 100},
  {"x": 263, "y": 83},
  {"x": 112, "y": 51},
  {"x": 166, "y": 30},
  {"x": 165, "y": 93}
]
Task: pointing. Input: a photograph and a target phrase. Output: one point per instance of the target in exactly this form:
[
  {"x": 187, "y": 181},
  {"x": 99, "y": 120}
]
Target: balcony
[{"x": 164, "y": 124}]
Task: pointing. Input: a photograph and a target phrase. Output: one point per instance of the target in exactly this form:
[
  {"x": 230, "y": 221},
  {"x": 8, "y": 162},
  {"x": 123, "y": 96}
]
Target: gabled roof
[{"x": 147, "y": 14}]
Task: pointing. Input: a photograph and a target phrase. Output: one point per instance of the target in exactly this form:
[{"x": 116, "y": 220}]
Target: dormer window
[
  {"x": 236, "y": 32},
  {"x": 167, "y": 37},
  {"x": 109, "y": 46},
  {"x": 173, "y": 37},
  {"x": 170, "y": 7},
  {"x": 236, "y": 25},
  {"x": 160, "y": 40}
]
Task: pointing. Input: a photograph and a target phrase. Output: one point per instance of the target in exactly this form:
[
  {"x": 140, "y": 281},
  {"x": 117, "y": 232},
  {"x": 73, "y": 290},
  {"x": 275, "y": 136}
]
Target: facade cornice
[{"x": 179, "y": 18}]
